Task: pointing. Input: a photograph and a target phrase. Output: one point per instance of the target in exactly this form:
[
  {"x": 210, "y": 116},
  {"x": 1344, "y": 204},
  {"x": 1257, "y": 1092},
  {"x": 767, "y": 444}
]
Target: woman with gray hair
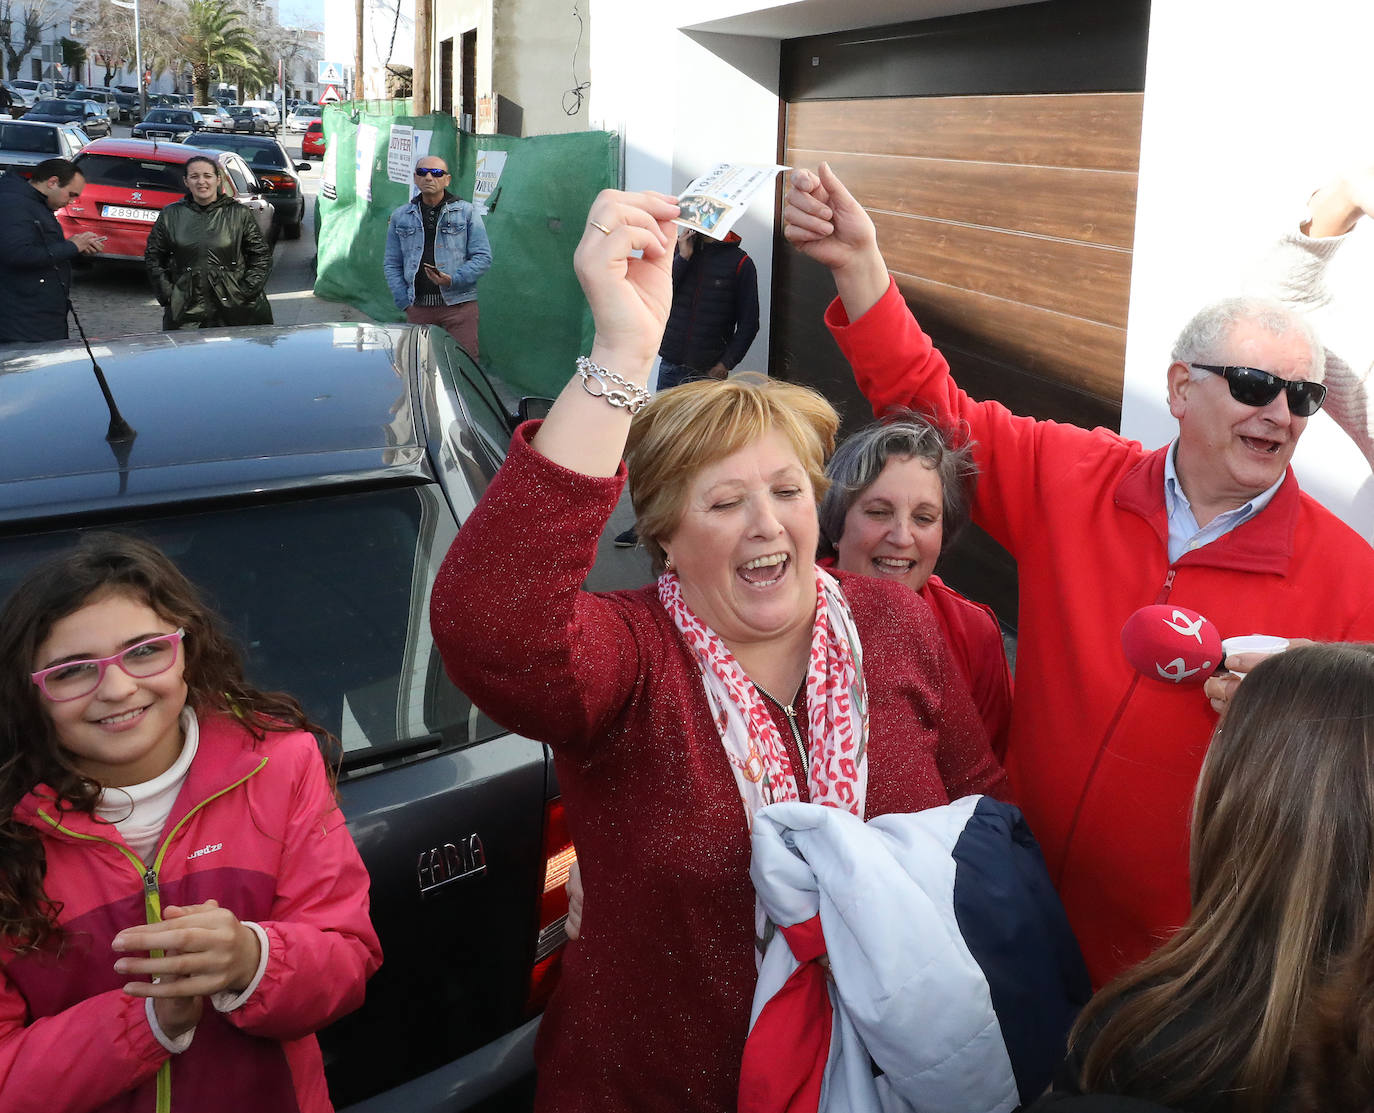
[{"x": 900, "y": 491}]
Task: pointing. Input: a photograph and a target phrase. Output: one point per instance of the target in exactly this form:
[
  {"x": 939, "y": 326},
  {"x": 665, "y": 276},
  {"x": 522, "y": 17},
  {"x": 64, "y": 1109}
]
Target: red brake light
[{"x": 559, "y": 855}]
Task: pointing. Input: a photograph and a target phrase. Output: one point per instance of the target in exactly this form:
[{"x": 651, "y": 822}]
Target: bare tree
[
  {"x": 28, "y": 21},
  {"x": 108, "y": 33}
]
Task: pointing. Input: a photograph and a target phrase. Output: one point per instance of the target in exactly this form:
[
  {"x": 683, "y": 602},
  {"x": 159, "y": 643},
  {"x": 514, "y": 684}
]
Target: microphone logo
[
  {"x": 1181, "y": 624},
  {"x": 1175, "y": 671}
]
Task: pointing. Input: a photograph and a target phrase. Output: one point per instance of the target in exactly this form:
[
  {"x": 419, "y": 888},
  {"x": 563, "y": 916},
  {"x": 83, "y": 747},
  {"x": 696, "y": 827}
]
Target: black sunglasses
[
  {"x": 1253, "y": 387},
  {"x": 429, "y": 172}
]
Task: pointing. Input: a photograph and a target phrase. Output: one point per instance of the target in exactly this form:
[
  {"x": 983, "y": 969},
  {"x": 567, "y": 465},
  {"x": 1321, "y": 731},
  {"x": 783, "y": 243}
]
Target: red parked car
[
  {"x": 312, "y": 142},
  {"x": 130, "y": 181}
]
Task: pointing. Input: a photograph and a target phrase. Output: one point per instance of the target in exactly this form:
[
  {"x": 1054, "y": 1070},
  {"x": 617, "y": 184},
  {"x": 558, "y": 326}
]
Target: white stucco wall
[
  {"x": 683, "y": 101},
  {"x": 532, "y": 61},
  {"x": 1242, "y": 122}
]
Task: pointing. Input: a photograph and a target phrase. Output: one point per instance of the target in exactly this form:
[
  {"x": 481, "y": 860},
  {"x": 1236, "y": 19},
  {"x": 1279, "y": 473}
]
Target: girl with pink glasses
[{"x": 181, "y": 906}]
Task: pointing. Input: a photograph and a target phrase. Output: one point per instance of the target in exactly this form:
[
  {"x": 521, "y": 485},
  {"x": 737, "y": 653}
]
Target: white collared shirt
[{"x": 1185, "y": 534}]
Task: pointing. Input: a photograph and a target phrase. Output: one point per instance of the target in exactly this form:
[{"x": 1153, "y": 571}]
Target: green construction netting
[{"x": 534, "y": 319}]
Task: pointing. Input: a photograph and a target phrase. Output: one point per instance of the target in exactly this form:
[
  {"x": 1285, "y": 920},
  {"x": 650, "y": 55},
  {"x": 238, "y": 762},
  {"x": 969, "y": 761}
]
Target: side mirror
[
  {"x": 531, "y": 408},
  {"x": 302, "y": 166}
]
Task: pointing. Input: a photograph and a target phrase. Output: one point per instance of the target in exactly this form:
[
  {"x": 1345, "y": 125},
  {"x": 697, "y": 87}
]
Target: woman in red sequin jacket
[{"x": 675, "y": 711}]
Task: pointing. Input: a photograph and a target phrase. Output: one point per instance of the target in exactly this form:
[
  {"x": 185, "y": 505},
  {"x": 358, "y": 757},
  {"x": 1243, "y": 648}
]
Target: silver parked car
[{"x": 26, "y": 143}]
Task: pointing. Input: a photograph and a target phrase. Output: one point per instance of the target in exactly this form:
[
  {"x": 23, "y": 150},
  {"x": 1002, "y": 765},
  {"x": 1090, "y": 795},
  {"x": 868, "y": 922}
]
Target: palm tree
[{"x": 216, "y": 39}]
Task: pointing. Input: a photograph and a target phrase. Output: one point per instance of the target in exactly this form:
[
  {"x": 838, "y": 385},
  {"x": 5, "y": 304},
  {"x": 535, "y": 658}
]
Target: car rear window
[
  {"x": 29, "y": 138},
  {"x": 167, "y": 116},
  {"x": 132, "y": 173},
  {"x": 328, "y": 598},
  {"x": 270, "y": 157}
]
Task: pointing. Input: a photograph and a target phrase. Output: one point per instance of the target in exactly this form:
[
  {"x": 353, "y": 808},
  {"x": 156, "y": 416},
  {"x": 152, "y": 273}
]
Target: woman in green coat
[{"x": 206, "y": 258}]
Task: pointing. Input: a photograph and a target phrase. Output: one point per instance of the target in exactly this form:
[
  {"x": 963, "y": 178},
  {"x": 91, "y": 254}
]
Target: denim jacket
[{"x": 461, "y": 249}]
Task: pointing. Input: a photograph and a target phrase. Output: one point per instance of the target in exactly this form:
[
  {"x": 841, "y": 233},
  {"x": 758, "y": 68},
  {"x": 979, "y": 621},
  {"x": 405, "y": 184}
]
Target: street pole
[
  {"x": 138, "y": 56},
  {"x": 359, "y": 89},
  {"x": 420, "y": 74}
]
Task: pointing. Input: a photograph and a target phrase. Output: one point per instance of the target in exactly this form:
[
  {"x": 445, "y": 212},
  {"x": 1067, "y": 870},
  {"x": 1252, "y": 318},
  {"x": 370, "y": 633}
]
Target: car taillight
[
  {"x": 559, "y": 856},
  {"x": 275, "y": 181}
]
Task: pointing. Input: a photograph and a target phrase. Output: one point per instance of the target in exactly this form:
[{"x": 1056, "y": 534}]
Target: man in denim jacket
[{"x": 436, "y": 250}]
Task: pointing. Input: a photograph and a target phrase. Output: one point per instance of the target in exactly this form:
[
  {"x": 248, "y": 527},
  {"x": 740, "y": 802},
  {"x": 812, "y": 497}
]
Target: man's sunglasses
[
  {"x": 1253, "y": 387},
  {"x": 429, "y": 172}
]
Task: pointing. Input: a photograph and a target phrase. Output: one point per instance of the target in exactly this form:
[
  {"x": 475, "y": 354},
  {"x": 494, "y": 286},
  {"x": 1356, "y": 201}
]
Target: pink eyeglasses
[{"x": 74, "y": 679}]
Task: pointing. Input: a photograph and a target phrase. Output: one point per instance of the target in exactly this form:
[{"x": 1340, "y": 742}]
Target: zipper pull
[
  {"x": 1168, "y": 583},
  {"x": 152, "y": 897}
]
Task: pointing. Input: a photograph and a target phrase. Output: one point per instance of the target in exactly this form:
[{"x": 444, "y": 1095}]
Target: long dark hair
[
  {"x": 1282, "y": 875},
  {"x": 30, "y": 754}
]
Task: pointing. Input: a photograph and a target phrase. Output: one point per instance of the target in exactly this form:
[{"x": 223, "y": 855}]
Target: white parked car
[
  {"x": 267, "y": 108},
  {"x": 28, "y": 92},
  {"x": 298, "y": 119}
]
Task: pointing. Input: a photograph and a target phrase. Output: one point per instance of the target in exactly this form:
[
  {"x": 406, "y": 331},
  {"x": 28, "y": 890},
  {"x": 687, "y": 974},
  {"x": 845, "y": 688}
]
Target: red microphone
[{"x": 1172, "y": 644}]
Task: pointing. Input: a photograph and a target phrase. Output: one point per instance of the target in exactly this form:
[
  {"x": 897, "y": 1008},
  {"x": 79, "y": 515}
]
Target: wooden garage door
[
  {"x": 1007, "y": 222},
  {"x": 997, "y": 153}
]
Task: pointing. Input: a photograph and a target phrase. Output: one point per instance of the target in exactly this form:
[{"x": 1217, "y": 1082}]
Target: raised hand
[
  {"x": 822, "y": 220},
  {"x": 1339, "y": 204},
  {"x": 625, "y": 265}
]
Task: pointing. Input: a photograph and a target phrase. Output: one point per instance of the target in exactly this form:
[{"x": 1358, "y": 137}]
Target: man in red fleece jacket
[{"x": 1103, "y": 759}]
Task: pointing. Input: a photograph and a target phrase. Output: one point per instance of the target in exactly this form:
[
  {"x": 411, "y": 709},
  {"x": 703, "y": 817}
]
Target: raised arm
[
  {"x": 624, "y": 264},
  {"x": 822, "y": 220},
  {"x": 1296, "y": 272},
  {"x": 516, "y": 631}
]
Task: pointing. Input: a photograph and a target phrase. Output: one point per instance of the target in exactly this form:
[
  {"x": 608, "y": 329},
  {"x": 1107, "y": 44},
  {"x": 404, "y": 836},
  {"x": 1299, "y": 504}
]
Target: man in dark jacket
[
  {"x": 714, "y": 319},
  {"x": 715, "y": 314},
  {"x": 35, "y": 258}
]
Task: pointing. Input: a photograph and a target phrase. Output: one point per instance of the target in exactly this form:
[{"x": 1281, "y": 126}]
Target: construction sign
[{"x": 330, "y": 96}]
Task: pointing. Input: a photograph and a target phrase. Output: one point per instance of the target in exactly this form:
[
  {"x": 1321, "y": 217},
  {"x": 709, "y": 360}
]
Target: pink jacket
[{"x": 255, "y": 827}]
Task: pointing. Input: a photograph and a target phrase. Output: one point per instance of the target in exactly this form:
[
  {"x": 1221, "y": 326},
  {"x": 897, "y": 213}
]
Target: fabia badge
[{"x": 452, "y": 862}]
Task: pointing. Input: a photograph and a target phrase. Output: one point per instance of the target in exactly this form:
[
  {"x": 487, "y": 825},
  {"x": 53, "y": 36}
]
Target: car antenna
[{"x": 120, "y": 434}]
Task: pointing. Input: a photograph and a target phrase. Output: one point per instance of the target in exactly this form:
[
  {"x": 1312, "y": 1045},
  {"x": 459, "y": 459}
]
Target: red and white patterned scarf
[{"x": 836, "y": 707}]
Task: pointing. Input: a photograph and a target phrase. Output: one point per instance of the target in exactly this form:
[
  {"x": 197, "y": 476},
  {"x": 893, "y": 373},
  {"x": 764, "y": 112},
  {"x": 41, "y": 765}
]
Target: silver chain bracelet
[{"x": 620, "y": 392}]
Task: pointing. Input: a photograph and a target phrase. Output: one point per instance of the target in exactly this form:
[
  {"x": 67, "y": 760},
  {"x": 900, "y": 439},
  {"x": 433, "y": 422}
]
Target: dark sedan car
[
  {"x": 276, "y": 171},
  {"x": 176, "y": 124},
  {"x": 310, "y": 480},
  {"x": 130, "y": 108},
  {"x": 248, "y": 120},
  {"x": 85, "y": 114}
]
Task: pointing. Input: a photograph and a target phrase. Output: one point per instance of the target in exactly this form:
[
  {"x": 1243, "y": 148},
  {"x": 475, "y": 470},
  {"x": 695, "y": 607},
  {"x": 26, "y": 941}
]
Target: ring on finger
[{"x": 599, "y": 227}]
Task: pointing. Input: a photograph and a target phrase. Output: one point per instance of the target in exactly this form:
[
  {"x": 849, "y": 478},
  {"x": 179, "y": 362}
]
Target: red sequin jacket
[{"x": 653, "y": 1007}]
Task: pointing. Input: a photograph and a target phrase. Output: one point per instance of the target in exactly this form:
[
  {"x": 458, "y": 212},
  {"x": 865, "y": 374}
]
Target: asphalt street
[{"x": 113, "y": 298}]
